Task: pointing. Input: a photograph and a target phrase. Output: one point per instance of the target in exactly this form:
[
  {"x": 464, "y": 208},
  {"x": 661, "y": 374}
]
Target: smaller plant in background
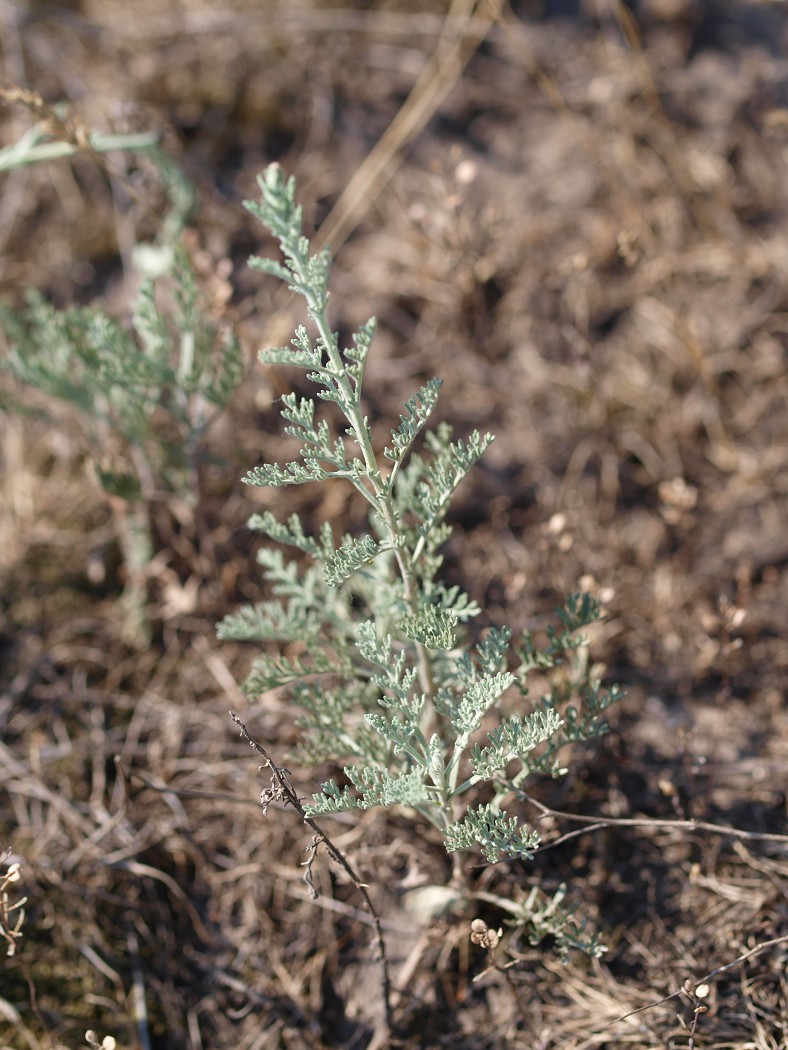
[
  {"x": 60, "y": 132},
  {"x": 144, "y": 396},
  {"x": 143, "y": 392},
  {"x": 379, "y": 660}
]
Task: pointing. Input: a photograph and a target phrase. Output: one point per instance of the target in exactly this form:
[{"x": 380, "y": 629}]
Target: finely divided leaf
[
  {"x": 417, "y": 412},
  {"x": 430, "y": 626},
  {"x": 349, "y": 558},
  {"x": 274, "y": 476},
  {"x": 267, "y": 621},
  {"x": 356, "y": 355},
  {"x": 291, "y": 533},
  {"x": 494, "y": 832},
  {"x": 453, "y": 601},
  {"x": 478, "y": 699},
  {"x": 514, "y": 738},
  {"x": 397, "y": 730},
  {"x": 451, "y": 464},
  {"x": 375, "y": 787},
  {"x": 378, "y": 787},
  {"x": 269, "y": 672},
  {"x": 332, "y": 800}
]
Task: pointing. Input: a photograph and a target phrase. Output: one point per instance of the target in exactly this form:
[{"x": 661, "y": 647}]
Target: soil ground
[{"x": 583, "y": 229}]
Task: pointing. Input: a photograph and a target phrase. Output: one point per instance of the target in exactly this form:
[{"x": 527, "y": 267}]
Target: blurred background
[{"x": 575, "y": 214}]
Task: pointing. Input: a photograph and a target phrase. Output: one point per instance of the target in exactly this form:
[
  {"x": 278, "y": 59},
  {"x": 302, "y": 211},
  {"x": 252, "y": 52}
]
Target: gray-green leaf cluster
[
  {"x": 388, "y": 683},
  {"x": 144, "y": 393},
  {"x": 494, "y": 832}
]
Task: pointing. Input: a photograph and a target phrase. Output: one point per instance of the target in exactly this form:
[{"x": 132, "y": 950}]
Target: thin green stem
[
  {"x": 382, "y": 498},
  {"x": 27, "y": 152}
]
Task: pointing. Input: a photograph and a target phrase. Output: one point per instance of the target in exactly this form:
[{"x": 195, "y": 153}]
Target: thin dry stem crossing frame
[
  {"x": 283, "y": 790},
  {"x": 601, "y": 823}
]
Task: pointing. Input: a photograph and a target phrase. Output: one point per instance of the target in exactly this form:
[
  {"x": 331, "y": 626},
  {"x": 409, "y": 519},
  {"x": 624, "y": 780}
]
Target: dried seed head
[
  {"x": 494, "y": 938},
  {"x": 479, "y": 932},
  {"x": 482, "y": 935}
]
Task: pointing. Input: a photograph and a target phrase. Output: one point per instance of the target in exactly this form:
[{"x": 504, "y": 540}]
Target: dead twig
[
  {"x": 167, "y": 789},
  {"x": 597, "y": 824},
  {"x": 690, "y": 987},
  {"x": 282, "y": 790},
  {"x": 453, "y": 51}
]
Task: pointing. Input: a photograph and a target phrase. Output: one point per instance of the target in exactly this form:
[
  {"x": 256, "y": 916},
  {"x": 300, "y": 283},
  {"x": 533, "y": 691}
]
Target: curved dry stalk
[
  {"x": 453, "y": 51},
  {"x": 690, "y": 987},
  {"x": 600, "y": 823},
  {"x": 282, "y": 790}
]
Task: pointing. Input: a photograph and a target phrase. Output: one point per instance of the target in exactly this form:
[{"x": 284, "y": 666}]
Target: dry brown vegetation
[{"x": 580, "y": 222}]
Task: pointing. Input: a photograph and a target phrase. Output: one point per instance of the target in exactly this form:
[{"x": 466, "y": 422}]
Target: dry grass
[{"x": 587, "y": 241}]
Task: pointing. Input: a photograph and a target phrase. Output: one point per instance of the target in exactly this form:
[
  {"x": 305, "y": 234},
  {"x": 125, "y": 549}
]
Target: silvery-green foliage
[
  {"x": 494, "y": 832},
  {"x": 540, "y": 915},
  {"x": 145, "y": 392},
  {"x": 386, "y": 680}
]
